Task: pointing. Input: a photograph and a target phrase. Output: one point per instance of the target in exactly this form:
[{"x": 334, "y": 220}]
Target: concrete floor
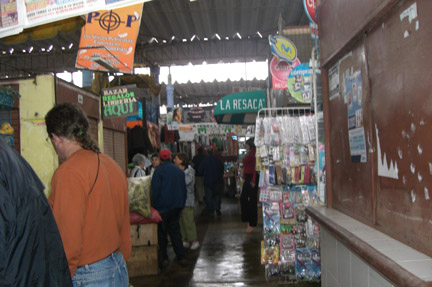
[{"x": 228, "y": 256}]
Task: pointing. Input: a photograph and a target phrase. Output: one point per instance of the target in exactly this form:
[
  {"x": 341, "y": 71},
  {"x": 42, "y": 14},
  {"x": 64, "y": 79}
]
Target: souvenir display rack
[{"x": 286, "y": 158}]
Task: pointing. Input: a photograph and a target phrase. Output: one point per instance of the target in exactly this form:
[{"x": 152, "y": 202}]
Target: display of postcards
[
  {"x": 287, "y": 213},
  {"x": 304, "y": 269},
  {"x": 258, "y": 164},
  {"x": 287, "y": 270},
  {"x": 300, "y": 240},
  {"x": 304, "y": 154},
  {"x": 272, "y": 273},
  {"x": 286, "y": 228},
  {"x": 312, "y": 154},
  {"x": 294, "y": 156},
  {"x": 286, "y": 155},
  {"x": 270, "y": 158},
  {"x": 271, "y": 217},
  {"x": 312, "y": 227},
  {"x": 287, "y": 241},
  {"x": 259, "y": 132},
  {"x": 304, "y": 130},
  {"x": 269, "y": 254},
  {"x": 316, "y": 264},
  {"x": 270, "y": 194},
  {"x": 279, "y": 177},
  {"x": 267, "y": 131},
  {"x": 299, "y": 228},
  {"x": 311, "y": 128},
  {"x": 271, "y": 239},
  {"x": 300, "y": 213},
  {"x": 265, "y": 161},
  {"x": 262, "y": 179},
  {"x": 263, "y": 151},
  {"x": 272, "y": 174},
  {"x": 305, "y": 197}
]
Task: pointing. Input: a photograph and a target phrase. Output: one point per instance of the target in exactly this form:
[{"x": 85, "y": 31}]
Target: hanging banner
[
  {"x": 245, "y": 102},
  {"x": 280, "y": 72},
  {"x": 198, "y": 115},
  {"x": 18, "y": 15},
  {"x": 108, "y": 40},
  {"x": 310, "y": 9},
  {"x": 119, "y": 102},
  {"x": 283, "y": 48},
  {"x": 300, "y": 83}
]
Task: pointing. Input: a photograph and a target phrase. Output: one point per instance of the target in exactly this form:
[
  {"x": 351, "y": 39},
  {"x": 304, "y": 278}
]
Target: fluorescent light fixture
[
  {"x": 11, "y": 50},
  {"x": 104, "y": 64},
  {"x": 31, "y": 49},
  {"x": 259, "y": 34},
  {"x": 70, "y": 46},
  {"x": 50, "y": 48}
]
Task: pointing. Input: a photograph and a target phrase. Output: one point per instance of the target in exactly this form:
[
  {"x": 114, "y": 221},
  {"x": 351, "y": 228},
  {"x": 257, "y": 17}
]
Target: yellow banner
[{"x": 108, "y": 39}]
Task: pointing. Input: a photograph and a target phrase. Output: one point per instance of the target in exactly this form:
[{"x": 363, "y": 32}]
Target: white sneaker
[
  {"x": 186, "y": 244},
  {"x": 195, "y": 245}
]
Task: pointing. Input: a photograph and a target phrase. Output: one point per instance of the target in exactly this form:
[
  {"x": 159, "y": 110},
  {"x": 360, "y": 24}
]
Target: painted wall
[{"x": 37, "y": 98}]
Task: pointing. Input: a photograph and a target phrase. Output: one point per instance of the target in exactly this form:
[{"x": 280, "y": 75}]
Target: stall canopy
[{"x": 240, "y": 108}]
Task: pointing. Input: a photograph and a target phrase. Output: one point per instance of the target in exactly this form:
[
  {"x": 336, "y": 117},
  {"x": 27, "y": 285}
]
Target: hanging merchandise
[
  {"x": 285, "y": 157},
  {"x": 7, "y": 100}
]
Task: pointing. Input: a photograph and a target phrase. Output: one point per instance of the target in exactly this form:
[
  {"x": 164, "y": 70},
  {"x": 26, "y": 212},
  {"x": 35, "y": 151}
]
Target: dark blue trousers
[{"x": 170, "y": 226}]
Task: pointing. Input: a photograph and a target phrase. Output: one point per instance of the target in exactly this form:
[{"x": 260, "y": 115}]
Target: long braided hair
[{"x": 69, "y": 121}]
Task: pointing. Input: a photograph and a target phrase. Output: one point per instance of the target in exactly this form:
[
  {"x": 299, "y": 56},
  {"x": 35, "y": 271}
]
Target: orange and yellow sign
[{"x": 108, "y": 39}]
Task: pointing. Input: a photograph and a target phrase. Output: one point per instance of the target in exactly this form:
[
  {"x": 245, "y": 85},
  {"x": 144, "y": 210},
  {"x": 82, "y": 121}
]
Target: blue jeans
[{"x": 110, "y": 271}]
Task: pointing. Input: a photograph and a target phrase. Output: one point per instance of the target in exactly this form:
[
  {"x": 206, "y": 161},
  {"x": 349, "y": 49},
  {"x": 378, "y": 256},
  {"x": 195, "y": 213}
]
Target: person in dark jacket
[
  {"x": 199, "y": 178},
  {"x": 31, "y": 249},
  {"x": 212, "y": 168},
  {"x": 169, "y": 198}
]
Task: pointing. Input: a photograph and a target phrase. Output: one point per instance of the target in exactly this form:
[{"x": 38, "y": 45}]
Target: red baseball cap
[{"x": 165, "y": 154}]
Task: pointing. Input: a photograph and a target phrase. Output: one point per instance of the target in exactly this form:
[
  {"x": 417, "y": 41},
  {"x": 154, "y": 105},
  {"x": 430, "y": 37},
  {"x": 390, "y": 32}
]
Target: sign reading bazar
[
  {"x": 119, "y": 102},
  {"x": 245, "y": 102}
]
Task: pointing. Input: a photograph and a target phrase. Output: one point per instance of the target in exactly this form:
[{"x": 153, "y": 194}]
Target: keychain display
[{"x": 286, "y": 159}]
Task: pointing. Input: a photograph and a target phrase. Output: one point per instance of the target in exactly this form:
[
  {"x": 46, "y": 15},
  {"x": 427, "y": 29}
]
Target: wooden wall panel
[
  {"x": 339, "y": 21},
  {"x": 399, "y": 60},
  {"x": 394, "y": 57},
  {"x": 352, "y": 190}
]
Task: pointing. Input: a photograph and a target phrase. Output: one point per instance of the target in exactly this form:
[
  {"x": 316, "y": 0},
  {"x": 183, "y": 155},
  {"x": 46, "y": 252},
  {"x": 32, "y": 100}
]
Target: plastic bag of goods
[{"x": 139, "y": 190}]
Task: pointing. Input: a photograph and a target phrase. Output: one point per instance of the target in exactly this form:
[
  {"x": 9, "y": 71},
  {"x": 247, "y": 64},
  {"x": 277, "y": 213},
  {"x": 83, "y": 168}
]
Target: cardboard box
[
  {"x": 144, "y": 234},
  {"x": 143, "y": 261}
]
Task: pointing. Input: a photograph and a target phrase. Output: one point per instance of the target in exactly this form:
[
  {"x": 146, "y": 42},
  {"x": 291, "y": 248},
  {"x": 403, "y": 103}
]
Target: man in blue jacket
[
  {"x": 169, "y": 198},
  {"x": 31, "y": 250}
]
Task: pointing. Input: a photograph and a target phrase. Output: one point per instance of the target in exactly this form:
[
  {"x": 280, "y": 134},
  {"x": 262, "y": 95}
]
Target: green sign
[
  {"x": 119, "y": 102},
  {"x": 246, "y": 102}
]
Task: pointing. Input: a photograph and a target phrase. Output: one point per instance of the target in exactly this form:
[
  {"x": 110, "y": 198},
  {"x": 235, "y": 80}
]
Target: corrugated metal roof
[{"x": 173, "y": 32}]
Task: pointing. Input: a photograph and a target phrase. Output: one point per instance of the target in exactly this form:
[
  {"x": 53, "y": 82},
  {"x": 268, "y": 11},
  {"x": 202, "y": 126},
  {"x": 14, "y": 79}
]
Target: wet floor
[{"x": 228, "y": 256}]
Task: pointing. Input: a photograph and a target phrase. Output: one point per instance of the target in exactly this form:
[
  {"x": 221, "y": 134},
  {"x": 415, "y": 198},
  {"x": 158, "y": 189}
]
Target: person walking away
[
  {"x": 31, "y": 250},
  {"x": 89, "y": 200},
  {"x": 169, "y": 198},
  {"x": 187, "y": 221},
  {"x": 139, "y": 164},
  {"x": 155, "y": 163},
  {"x": 199, "y": 178},
  {"x": 249, "y": 194},
  {"x": 212, "y": 168}
]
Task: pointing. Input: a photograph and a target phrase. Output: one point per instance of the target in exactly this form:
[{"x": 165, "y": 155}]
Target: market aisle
[{"x": 228, "y": 256}]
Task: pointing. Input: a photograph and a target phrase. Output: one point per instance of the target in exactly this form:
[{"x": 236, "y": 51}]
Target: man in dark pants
[
  {"x": 169, "y": 198},
  {"x": 212, "y": 168}
]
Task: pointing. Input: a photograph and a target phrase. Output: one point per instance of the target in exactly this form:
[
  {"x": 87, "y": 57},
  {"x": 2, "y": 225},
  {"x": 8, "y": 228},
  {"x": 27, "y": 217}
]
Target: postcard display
[{"x": 285, "y": 158}]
